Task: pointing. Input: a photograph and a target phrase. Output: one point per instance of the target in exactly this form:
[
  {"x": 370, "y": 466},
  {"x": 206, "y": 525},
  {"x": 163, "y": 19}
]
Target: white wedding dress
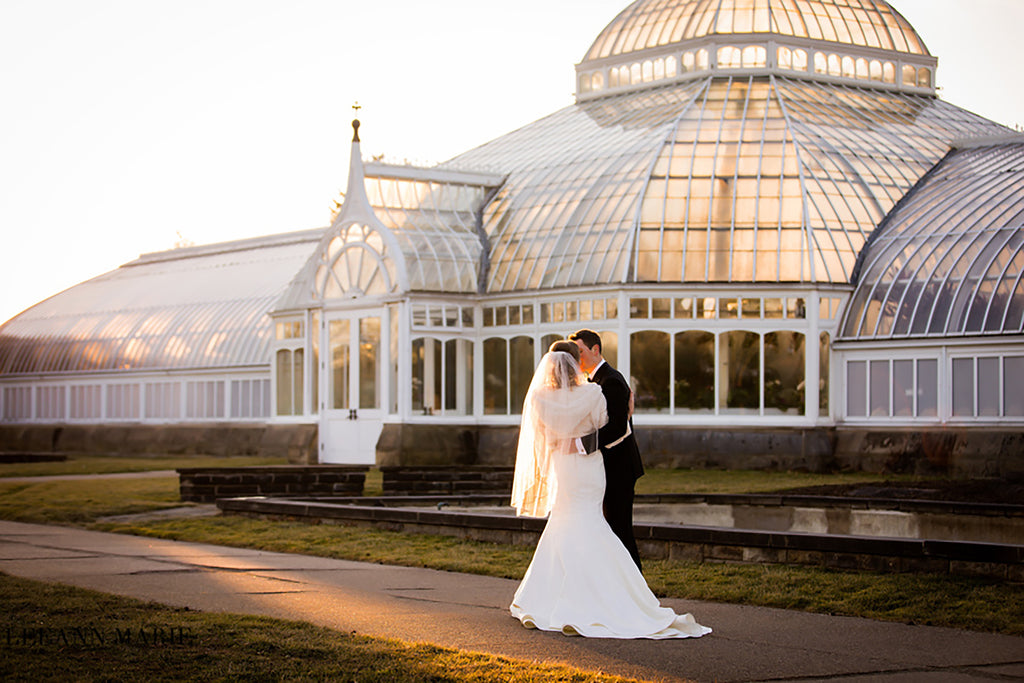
[{"x": 582, "y": 580}]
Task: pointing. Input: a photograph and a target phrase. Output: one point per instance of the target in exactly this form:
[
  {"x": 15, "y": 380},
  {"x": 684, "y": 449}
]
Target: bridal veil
[{"x": 560, "y": 407}]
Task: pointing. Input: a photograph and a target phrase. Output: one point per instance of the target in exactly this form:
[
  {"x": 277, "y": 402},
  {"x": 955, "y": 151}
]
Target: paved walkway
[{"x": 470, "y": 612}]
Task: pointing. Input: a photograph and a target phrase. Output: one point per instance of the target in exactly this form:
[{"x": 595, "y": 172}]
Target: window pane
[
  {"x": 824, "y": 351},
  {"x": 610, "y": 348},
  {"x": 297, "y": 375},
  {"x": 284, "y": 382},
  {"x": 638, "y": 308},
  {"x": 784, "y": 371},
  {"x": 739, "y": 356},
  {"x": 649, "y": 363},
  {"x": 495, "y": 377},
  {"x": 903, "y": 387},
  {"x": 661, "y": 308},
  {"x": 856, "y": 388},
  {"x": 751, "y": 308},
  {"x": 880, "y": 388},
  {"x": 928, "y": 388},
  {"x": 728, "y": 308},
  {"x": 521, "y": 368},
  {"x": 339, "y": 344},
  {"x": 1013, "y": 387},
  {"x": 684, "y": 308},
  {"x": 963, "y": 387},
  {"x": 706, "y": 308},
  {"x": 369, "y": 362},
  {"x": 695, "y": 371},
  {"x": 393, "y": 370},
  {"x": 418, "y": 373},
  {"x": 988, "y": 387}
]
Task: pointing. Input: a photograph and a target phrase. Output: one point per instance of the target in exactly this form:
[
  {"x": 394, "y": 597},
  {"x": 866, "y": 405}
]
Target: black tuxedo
[{"x": 622, "y": 464}]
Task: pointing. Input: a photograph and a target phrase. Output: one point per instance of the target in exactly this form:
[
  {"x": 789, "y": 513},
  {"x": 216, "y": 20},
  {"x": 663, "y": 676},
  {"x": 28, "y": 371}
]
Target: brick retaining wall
[
  {"x": 419, "y": 481},
  {"x": 207, "y": 484}
]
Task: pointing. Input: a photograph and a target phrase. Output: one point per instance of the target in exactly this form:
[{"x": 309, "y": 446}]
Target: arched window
[
  {"x": 924, "y": 77},
  {"x": 889, "y": 72},
  {"x": 799, "y": 60},
  {"x": 353, "y": 265},
  {"x": 820, "y": 63},
  {"x": 754, "y": 56},
  {"x": 647, "y": 71},
  {"x": 849, "y": 67},
  {"x": 909, "y": 74},
  {"x": 671, "y": 67},
  {"x": 689, "y": 63},
  {"x": 729, "y": 57},
  {"x": 784, "y": 57},
  {"x": 862, "y": 69},
  {"x": 702, "y": 60},
  {"x": 597, "y": 81},
  {"x": 875, "y": 70}
]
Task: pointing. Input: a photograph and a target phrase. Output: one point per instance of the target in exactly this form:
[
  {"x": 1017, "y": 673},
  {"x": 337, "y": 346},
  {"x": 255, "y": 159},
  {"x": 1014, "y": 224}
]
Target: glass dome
[
  {"x": 853, "y": 41},
  {"x": 732, "y": 180},
  {"x": 949, "y": 261},
  {"x": 648, "y": 24}
]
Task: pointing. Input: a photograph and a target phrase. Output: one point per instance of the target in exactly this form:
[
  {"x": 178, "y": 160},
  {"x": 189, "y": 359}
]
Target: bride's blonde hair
[{"x": 563, "y": 367}]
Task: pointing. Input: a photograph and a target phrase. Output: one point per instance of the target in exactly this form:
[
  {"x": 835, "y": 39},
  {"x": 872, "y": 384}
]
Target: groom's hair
[
  {"x": 566, "y": 346},
  {"x": 589, "y": 338}
]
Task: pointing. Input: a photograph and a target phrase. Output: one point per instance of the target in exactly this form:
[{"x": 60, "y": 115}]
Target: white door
[{"x": 351, "y": 415}]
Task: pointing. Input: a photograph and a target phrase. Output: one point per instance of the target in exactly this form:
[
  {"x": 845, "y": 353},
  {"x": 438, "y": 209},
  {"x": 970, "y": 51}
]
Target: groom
[{"x": 622, "y": 463}]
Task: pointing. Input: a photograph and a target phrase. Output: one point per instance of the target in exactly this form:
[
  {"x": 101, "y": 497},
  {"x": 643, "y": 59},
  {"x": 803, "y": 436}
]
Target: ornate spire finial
[{"x": 355, "y": 122}]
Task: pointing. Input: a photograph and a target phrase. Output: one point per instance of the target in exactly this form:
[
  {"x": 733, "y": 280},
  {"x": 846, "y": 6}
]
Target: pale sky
[{"x": 127, "y": 122}]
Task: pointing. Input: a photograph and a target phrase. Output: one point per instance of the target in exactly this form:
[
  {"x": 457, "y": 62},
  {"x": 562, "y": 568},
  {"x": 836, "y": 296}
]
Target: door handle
[{"x": 352, "y": 414}]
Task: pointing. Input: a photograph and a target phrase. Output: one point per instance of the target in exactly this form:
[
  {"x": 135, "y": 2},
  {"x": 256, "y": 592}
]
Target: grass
[
  {"x": 977, "y": 604},
  {"x": 748, "y": 481},
  {"x": 98, "y": 464},
  {"x": 53, "y": 633}
]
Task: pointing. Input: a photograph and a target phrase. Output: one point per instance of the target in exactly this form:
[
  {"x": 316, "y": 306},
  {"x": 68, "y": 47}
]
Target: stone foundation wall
[
  {"x": 207, "y": 484},
  {"x": 296, "y": 442},
  {"x": 421, "y": 481},
  {"x": 975, "y": 452},
  {"x": 426, "y": 445}
]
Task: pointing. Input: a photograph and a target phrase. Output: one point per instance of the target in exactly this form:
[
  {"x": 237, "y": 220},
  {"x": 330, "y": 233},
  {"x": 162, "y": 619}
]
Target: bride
[{"x": 581, "y": 580}]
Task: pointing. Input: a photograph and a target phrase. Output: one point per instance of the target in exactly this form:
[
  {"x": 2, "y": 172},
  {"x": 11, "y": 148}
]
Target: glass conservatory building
[{"x": 797, "y": 253}]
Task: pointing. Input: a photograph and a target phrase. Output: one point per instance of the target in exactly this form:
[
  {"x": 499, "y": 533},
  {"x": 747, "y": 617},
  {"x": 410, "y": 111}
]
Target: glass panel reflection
[
  {"x": 650, "y": 374},
  {"x": 694, "y": 384},
  {"x": 784, "y": 370},
  {"x": 740, "y": 382}
]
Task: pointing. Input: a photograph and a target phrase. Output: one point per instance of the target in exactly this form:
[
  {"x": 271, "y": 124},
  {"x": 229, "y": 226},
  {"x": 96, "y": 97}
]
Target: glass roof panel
[
  {"x": 756, "y": 179},
  {"x": 654, "y": 23},
  {"x": 188, "y": 308},
  {"x": 949, "y": 260},
  {"x": 435, "y": 226}
]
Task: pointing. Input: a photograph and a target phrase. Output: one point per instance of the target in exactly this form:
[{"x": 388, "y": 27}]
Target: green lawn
[
  {"x": 977, "y": 604},
  {"x": 60, "y": 633},
  {"x": 99, "y": 464}
]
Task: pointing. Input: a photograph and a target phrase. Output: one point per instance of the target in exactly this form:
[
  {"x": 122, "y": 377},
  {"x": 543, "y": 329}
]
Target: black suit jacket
[{"x": 622, "y": 461}]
